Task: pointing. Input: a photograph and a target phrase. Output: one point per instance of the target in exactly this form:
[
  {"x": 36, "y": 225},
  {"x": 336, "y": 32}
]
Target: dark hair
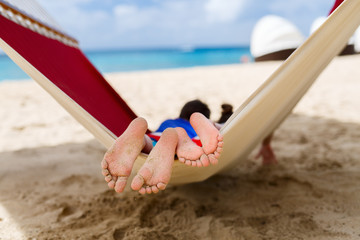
[
  {"x": 194, "y": 106},
  {"x": 227, "y": 111}
]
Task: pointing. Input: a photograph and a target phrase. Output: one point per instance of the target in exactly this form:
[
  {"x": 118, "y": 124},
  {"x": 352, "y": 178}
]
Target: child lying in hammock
[
  {"x": 175, "y": 138},
  {"x": 156, "y": 171}
]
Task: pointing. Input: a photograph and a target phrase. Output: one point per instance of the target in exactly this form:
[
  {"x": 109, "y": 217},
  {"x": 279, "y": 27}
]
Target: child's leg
[
  {"x": 155, "y": 174},
  {"x": 119, "y": 159},
  {"x": 209, "y": 135},
  {"x": 266, "y": 151}
]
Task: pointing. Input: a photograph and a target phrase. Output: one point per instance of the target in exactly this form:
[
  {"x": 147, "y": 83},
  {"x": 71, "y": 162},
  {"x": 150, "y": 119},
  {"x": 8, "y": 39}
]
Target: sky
[{"x": 122, "y": 24}]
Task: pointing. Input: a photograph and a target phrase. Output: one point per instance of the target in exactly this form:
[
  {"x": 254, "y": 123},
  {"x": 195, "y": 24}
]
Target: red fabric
[
  {"x": 197, "y": 141},
  {"x": 336, "y": 4},
  {"x": 70, "y": 70}
]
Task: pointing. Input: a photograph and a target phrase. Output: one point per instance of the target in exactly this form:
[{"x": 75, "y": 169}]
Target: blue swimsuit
[
  {"x": 179, "y": 122},
  {"x": 173, "y": 123}
]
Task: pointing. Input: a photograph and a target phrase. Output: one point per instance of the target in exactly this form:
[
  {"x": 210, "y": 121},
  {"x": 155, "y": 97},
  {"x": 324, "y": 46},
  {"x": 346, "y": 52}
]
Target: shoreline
[{"x": 140, "y": 71}]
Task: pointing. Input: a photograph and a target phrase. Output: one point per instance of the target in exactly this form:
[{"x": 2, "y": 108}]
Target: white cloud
[
  {"x": 145, "y": 23},
  {"x": 125, "y": 10},
  {"x": 224, "y": 10},
  {"x": 130, "y": 17},
  {"x": 156, "y": 23},
  {"x": 85, "y": 25},
  {"x": 165, "y": 15}
]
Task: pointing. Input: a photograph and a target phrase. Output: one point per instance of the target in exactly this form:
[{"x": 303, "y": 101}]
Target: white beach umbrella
[
  {"x": 357, "y": 40},
  {"x": 273, "y": 33}
]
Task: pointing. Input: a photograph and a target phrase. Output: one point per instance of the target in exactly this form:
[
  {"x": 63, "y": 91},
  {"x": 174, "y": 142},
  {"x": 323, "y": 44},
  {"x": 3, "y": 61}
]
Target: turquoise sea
[{"x": 107, "y": 61}]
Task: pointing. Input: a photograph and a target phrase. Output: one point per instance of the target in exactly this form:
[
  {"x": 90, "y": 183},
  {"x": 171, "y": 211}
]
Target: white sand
[{"x": 51, "y": 186}]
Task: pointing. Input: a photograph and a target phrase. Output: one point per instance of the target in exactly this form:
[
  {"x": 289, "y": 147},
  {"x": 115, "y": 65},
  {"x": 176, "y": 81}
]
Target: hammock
[{"x": 54, "y": 60}]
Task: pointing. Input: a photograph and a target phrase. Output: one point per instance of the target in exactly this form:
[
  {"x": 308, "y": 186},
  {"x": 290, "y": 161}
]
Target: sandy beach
[{"x": 51, "y": 185}]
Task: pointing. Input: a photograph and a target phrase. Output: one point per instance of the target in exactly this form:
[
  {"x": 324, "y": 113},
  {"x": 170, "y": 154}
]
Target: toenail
[
  {"x": 108, "y": 178},
  {"x": 161, "y": 186},
  {"x": 105, "y": 172},
  {"x": 154, "y": 189}
]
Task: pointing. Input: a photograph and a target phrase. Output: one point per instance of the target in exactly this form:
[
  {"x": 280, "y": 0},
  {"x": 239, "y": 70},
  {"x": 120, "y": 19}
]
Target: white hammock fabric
[{"x": 259, "y": 115}]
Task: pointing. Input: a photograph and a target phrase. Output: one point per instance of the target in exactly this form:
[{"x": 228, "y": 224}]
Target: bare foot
[
  {"x": 119, "y": 159},
  {"x": 267, "y": 154},
  {"x": 210, "y": 137},
  {"x": 155, "y": 174},
  {"x": 189, "y": 152},
  {"x": 266, "y": 151}
]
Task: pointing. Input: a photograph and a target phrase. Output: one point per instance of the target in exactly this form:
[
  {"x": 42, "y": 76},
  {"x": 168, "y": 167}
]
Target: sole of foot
[
  {"x": 155, "y": 174},
  {"x": 210, "y": 137},
  {"x": 118, "y": 161},
  {"x": 189, "y": 152}
]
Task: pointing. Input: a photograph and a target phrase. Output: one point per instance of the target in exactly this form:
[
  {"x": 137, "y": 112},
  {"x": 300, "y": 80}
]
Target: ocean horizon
[{"x": 128, "y": 60}]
